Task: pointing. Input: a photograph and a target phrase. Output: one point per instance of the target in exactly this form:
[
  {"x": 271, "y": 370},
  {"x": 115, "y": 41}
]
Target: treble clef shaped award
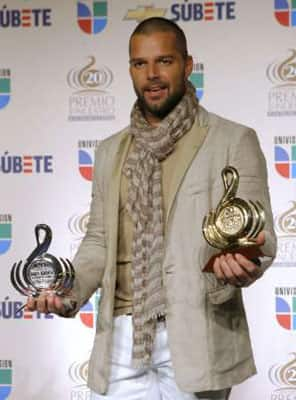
[
  {"x": 236, "y": 222},
  {"x": 41, "y": 270}
]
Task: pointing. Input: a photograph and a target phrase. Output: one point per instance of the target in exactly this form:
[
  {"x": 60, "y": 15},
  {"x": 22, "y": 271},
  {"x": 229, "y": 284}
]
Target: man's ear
[{"x": 188, "y": 66}]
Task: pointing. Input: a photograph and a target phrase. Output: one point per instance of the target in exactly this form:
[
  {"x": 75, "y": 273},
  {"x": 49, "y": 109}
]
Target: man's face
[{"x": 158, "y": 72}]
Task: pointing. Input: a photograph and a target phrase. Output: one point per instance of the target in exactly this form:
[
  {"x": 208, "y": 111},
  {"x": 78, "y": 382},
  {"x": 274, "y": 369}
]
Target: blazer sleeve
[
  {"x": 246, "y": 155},
  {"x": 89, "y": 261}
]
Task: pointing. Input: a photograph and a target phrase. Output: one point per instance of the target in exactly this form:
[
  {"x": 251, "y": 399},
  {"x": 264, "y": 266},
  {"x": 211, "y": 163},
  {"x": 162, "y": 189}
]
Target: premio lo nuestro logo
[
  {"x": 77, "y": 225},
  {"x": 197, "y": 79},
  {"x": 285, "y": 12},
  {"x": 5, "y": 379},
  {"x": 91, "y": 100},
  {"x": 86, "y": 150},
  {"x": 5, "y": 232},
  {"x": 92, "y": 19},
  {"x": 25, "y": 18},
  {"x": 78, "y": 372},
  {"x": 283, "y": 376},
  {"x": 285, "y": 156},
  {"x": 285, "y": 228},
  {"x": 282, "y": 96},
  {"x": 5, "y": 88},
  {"x": 89, "y": 312},
  {"x": 285, "y": 307}
]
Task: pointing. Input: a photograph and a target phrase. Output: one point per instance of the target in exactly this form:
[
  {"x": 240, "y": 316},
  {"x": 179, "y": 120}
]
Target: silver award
[
  {"x": 42, "y": 271},
  {"x": 236, "y": 222}
]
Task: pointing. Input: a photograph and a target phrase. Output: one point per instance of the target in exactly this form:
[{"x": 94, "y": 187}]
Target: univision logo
[
  {"x": 89, "y": 312},
  {"x": 4, "y": 87},
  {"x": 285, "y": 156},
  {"x": 285, "y": 307},
  {"x": 285, "y": 161},
  {"x": 5, "y": 232},
  {"x": 197, "y": 79},
  {"x": 285, "y": 12},
  {"x": 92, "y": 20},
  {"x": 85, "y": 157},
  {"x": 5, "y": 378},
  {"x": 85, "y": 164}
]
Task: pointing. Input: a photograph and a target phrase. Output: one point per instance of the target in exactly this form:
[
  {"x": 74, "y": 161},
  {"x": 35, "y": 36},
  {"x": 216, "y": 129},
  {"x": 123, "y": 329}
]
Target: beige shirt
[{"x": 124, "y": 291}]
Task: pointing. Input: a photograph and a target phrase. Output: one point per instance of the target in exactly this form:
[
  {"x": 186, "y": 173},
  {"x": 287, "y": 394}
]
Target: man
[{"x": 167, "y": 329}]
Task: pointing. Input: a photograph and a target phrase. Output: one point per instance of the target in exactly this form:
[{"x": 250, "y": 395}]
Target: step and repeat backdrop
[{"x": 64, "y": 87}]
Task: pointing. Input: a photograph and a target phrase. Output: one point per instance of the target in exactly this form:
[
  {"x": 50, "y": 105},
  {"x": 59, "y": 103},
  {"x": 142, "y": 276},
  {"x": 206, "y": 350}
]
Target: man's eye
[
  {"x": 138, "y": 64},
  {"x": 165, "y": 61}
]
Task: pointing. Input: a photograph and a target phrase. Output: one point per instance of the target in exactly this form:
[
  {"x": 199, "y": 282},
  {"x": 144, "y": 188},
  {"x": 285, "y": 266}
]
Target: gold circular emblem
[{"x": 230, "y": 221}]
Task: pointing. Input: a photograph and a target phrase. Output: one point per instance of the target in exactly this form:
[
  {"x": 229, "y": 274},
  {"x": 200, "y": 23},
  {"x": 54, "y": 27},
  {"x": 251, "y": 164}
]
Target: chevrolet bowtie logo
[{"x": 144, "y": 12}]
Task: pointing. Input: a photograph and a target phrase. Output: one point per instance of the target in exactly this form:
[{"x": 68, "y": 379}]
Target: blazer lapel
[{"x": 194, "y": 141}]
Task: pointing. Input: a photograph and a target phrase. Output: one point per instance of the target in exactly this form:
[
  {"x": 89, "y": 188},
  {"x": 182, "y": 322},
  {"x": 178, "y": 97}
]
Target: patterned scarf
[{"x": 144, "y": 204}]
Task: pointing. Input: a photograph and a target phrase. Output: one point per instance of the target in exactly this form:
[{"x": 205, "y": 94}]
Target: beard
[{"x": 165, "y": 107}]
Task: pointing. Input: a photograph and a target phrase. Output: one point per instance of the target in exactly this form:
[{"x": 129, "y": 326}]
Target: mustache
[{"x": 155, "y": 84}]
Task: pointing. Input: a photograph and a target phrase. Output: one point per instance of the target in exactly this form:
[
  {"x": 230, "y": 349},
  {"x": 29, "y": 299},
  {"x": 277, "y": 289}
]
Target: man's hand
[
  {"x": 237, "y": 268},
  {"x": 46, "y": 302}
]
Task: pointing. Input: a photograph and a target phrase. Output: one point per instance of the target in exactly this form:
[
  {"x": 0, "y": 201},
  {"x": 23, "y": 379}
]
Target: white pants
[{"x": 153, "y": 383}]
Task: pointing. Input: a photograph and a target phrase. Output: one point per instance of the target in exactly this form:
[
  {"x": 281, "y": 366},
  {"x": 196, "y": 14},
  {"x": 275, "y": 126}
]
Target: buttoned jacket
[{"x": 207, "y": 328}]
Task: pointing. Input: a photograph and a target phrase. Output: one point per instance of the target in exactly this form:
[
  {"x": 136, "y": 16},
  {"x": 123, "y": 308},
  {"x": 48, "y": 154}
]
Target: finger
[
  {"x": 260, "y": 240},
  {"x": 59, "y": 306},
  {"x": 241, "y": 275},
  {"x": 50, "y": 299},
  {"x": 227, "y": 271},
  {"x": 235, "y": 275},
  {"x": 218, "y": 271},
  {"x": 42, "y": 303},
  {"x": 253, "y": 270},
  {"x": 51, "y": 303},
  {"x": 31, "y": 303}
]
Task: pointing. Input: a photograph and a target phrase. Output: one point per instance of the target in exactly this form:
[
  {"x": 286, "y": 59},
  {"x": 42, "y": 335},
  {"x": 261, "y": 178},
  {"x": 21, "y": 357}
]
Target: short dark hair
[{"x": 159, "y": 24}]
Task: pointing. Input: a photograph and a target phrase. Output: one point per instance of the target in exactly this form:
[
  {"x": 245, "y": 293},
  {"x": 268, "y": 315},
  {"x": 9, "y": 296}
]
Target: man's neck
[{"x": 152, "y": 119}]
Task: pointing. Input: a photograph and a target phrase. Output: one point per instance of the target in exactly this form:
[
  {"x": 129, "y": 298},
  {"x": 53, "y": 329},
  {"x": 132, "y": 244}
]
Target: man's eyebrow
[
  {"x": 166, "y": 56},
  {"x": 157, "y": 58},
  {"x": 136, "y": 59}
]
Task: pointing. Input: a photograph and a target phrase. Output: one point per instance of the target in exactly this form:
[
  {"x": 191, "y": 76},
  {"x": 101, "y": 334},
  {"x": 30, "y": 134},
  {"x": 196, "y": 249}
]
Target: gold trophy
[{"x": 235, "y": 223}]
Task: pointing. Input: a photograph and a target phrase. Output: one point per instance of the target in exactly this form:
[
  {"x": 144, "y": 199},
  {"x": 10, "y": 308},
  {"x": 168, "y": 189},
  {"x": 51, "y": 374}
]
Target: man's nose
[{"x": 152, "y": 71}]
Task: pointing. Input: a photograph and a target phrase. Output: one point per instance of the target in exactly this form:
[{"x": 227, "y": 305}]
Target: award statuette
[
  {"x": 42, "y": 271},
  {"x": 235, "y": 223}
]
